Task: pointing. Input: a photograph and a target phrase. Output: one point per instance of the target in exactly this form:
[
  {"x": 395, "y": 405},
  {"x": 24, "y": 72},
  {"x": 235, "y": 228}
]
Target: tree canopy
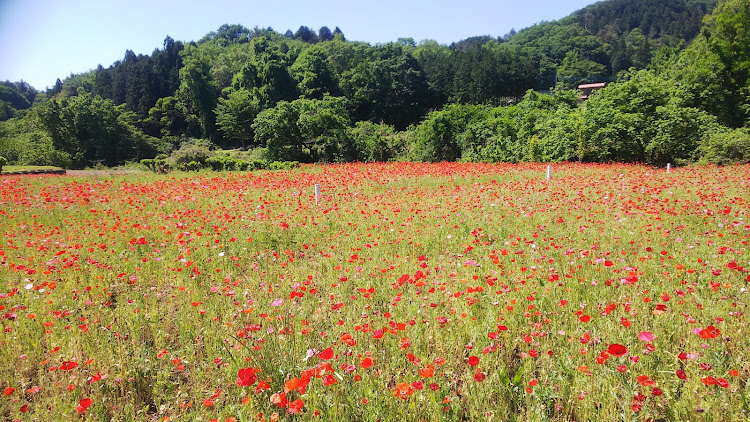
[{"x": 678, "y": 73}]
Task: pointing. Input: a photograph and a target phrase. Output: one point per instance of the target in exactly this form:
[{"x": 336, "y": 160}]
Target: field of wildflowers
[{"x": 409, "y": 292}]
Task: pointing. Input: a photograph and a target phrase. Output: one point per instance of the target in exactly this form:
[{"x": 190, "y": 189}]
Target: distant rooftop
[{"x": 592, "y": 86}]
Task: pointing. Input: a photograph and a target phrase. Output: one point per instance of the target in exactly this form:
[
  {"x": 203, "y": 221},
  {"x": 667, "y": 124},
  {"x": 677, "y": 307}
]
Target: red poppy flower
[
  {"x": 709, "y": 380},
  {"x": 94, "y": 378},
  {"x": 403, "y": 390},
  {"x": 473, "y": 360},
  {"x": 83, "y": 405},
  {"x": 709, "y": 332},
  {"x": 246, "y": 377},
  {"x": 279, "y": 399},
  {"x": 644, "y": 380},
  {"x": 427, "y": 372},
  {"x": 347, "y": 338},
  {"x": 296, "y": 406},
  {"x": 326, "y": 354},
  {"x": 617, "y": 350}
]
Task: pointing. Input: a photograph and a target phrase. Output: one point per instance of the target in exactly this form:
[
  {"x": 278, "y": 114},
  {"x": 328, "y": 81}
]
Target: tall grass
[{"x": 411, "y": 292}]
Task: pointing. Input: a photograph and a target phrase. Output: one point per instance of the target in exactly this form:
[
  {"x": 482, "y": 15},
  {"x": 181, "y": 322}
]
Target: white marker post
[
  {"x": 549, "y": 171},
  {"x": 669, "y": 167},
  {"x": 317, "y": 193}
]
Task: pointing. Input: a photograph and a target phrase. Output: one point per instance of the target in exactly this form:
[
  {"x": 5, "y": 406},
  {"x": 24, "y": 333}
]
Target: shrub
[
  {"x": 374, "y": 141},
  {"x": 215, "y": 163},
  {"x": 157, "y": 165},
  {"x": 242, "y": 165},
  {"x": 227, "y": 163},
  {"x": 230, "y": 163},
  {"x": 726, "y": 147},
  {"x": 193, "y": 166},
  {"x": 150, "y": 164},
  {"x": 196, "y": 151},
  {"x": 283, "y": 165},
  {"x": 3, "y": 162}
]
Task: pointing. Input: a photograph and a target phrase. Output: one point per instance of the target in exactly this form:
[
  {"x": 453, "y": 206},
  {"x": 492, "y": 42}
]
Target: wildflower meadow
[{"x": 408, "y": 292}]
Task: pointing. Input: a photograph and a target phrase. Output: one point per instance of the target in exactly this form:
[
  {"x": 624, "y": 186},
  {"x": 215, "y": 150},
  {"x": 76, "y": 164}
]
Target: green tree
[
  {"x": 337, "y": 33},
  {"x": 91, "y": 130},
  {"x": 306, "y": 34},
  {"x": 24, "y": 141},
  {"x": 644, "y": 119},
  {"x": 489, "y": 71},
  {"x": 197, "y": 92},
  {"x": 276, "y": 128},
  {"x": 314, "y": 78},
  {"x": 575, "y": 70},
  {"x": 437, "y": 64},
  {"x": 166, "y": 118},
  {"x": 728, "y": 33},
  {"x": 322, "y": 126},
  {"x": 235, "y": 115},
  {"x": 325, "y": 34},
  {"x": 436, "y": 138},
  {"x": 547, "y": 45},
  {"x": 726, "y": 146},
  {"x": 638, "y": 48},
  {"x": 390, "y": 88},
  {"x": 267, "y": 74},
  {"x": 305, "y": 130},
  {"x": 375, "y": 141},
  {"x": 15, "y": 96}
]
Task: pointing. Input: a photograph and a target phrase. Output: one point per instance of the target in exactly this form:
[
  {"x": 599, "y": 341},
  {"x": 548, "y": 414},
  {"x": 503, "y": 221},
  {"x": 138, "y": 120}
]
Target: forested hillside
[{"x": 678, "y": 92}]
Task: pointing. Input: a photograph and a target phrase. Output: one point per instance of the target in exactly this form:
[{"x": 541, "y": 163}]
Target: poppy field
[{"x": 449, "y": 291}]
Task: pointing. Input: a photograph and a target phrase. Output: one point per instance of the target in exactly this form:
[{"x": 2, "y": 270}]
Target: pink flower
[{"x": 646, "y": 336}]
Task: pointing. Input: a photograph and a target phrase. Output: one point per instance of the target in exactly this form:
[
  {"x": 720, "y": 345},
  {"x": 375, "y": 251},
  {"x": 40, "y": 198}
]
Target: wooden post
[
  {"x": 317, "y": 193},
  {"x": 549, "y": 171},
  {"x": 669, "y": 167}
]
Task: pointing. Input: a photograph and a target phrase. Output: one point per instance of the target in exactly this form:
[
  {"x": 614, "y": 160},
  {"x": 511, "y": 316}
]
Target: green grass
[
  {"x": 169, "y": 285},
  {"x": 14, "y": 169}
]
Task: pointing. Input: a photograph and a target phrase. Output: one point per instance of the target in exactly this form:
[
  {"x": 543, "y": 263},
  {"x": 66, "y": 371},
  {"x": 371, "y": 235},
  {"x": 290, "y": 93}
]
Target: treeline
[
  {"x": 314, "y": 96},
  {"x": 15, "y": 96}
]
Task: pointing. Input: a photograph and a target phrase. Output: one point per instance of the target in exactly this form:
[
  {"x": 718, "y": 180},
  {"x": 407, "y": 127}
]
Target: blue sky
[{"x": 41, "y": 41}]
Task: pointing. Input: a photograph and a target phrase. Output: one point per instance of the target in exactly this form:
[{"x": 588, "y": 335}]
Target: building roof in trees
[{"x": 592, "y": 86}]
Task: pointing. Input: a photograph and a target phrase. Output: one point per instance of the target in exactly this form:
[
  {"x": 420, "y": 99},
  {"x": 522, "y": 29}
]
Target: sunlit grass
[
  {"x": 15, "y": 169},
  {"x": 443, "y": 291}
]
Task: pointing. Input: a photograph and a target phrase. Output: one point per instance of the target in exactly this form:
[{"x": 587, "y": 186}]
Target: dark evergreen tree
[
  {"x": 306, "y": 34},
  {"x": 337, "y": 33},
  {"x": 325, "y": 34}
]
